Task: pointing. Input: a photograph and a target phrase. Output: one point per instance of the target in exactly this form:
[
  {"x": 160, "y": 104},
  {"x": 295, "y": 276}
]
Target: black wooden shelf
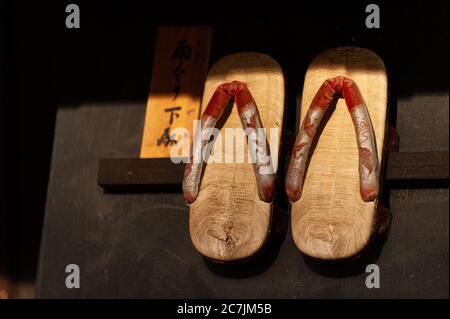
[{"x": 403, "y": 170}]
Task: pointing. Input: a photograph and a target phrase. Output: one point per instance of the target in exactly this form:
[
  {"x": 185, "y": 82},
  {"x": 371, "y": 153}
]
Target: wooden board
[
  {"x": 331, "y": 221},
  {"x": 137, "y": 245},
  {"x": 139, "y": 174},
  {"x": 179, "y": 69},
  {"x": 402, "y": 168},
  {"x": 417, "y": 166},
  {"x": 228, "y": 221}
]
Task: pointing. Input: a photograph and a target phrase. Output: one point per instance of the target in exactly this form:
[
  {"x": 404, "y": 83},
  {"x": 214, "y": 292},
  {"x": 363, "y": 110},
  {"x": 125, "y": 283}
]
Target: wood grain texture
[
  {"x": 331, "y": 221},
  {"x": 228, "y": 221},
  {"x": 179, "y": 69}
]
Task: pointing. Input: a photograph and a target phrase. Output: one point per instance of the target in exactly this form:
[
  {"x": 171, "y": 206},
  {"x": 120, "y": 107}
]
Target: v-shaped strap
[
  {"x": 368, "y": 161},
  {"x": 256, "y": 138}
]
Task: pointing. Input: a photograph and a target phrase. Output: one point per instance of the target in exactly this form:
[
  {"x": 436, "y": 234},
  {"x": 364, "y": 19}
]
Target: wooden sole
[
  {"x": 228, "y": 221},
  {"x": 330, "y": 220}
]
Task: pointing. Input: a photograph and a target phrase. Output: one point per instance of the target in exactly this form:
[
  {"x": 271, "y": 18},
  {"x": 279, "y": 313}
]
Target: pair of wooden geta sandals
[{"x": 333, "y": 179}]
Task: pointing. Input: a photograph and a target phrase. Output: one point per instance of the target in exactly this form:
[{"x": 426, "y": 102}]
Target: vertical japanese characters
[{"x": 182, "y": 52}]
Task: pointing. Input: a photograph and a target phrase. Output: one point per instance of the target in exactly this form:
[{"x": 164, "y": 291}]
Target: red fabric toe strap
[
  {"x": 331, "y": 89},
  {"x": 256, "y": 138}
]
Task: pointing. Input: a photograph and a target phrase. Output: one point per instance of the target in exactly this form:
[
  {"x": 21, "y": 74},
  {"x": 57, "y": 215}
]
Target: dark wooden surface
[
  {"x": 417, "y": 166},
  {"x": 137, "y": 244},
  {"x": 139, "y": 174},
  {"x": 153, "y": 174}
]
